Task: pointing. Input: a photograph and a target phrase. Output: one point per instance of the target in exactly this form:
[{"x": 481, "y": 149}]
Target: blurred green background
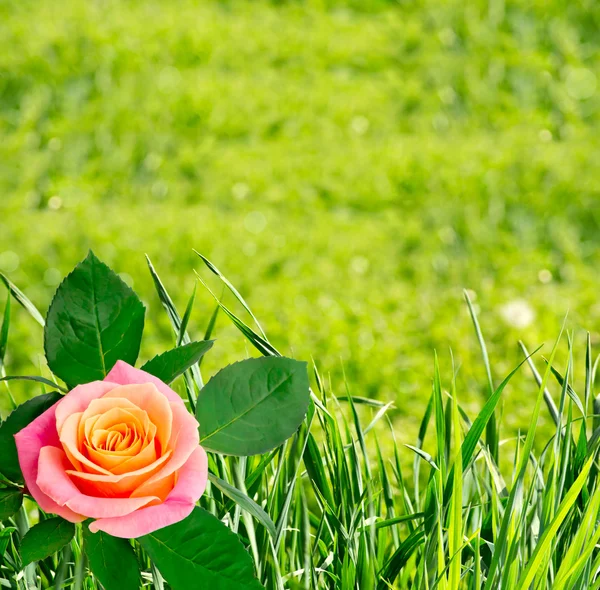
[{"x": 351, "y": 166}]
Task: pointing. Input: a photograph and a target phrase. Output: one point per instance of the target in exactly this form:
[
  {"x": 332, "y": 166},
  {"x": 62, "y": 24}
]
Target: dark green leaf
[
  {"x": 15, "y": 422},
  {"x": 45, "y": 539},
  {"x": 94, "y": 320},
  {"x": 112, "y": 560},
  {"x": 10, "y": 502},
  {"x": 201, "y": 550},
  {"x": 253, "y": 406},
  {"x": 169, "y": 365}
]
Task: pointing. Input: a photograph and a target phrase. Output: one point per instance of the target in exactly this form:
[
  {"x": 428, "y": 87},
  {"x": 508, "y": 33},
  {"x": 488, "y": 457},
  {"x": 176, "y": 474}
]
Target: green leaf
[
  {"x": 94, "y": 320},
  {"x": 253, "y": 406},
  {"x": 10, "y": 502},
  {"x": 112, "y": 560},
  {"x": 45, "y": 539},
  {"x": 201, "y": 549},
  {"x": 169, "y": 365},
  {"x": 15, "y": 422}
]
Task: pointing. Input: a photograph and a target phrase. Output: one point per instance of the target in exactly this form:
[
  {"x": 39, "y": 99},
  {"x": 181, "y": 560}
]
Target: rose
[{"x": 124, "y": 451}]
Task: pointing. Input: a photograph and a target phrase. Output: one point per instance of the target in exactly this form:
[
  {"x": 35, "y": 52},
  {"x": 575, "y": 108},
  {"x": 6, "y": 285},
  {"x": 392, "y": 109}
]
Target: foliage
[{"x": 335, "y": 507}]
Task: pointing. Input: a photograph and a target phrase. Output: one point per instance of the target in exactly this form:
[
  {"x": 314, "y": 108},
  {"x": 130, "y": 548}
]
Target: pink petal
[
  {"x": 53, "y": 481},
  {"x": 178, "y": 505},
  {"x": 79, "y": 398},
  {"x": 40, "y": 433},
  {"x": 124, "y": 374}
]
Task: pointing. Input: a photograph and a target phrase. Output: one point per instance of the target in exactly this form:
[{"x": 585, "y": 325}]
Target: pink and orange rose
[{"x": 124, "y": 451}]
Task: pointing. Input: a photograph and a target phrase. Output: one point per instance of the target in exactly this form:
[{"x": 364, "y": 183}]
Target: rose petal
[
  {"x": 184, "y": 440},
  {"x": 117, "y": 485},
  {"x": 39, "y": 433},
  {"x": 179, "y": 504},
  {"x": 148, "y": 398},
  {"x": 125, "y": 374},
  {"x": 69, "y": 438},
  {"x": 79, "y": 398},
  {"x": 54, "y": 482}
]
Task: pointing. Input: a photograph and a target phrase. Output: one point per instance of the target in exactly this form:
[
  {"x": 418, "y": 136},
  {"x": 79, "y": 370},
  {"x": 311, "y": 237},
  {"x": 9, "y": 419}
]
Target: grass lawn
[{"x": 350, "y": 166}]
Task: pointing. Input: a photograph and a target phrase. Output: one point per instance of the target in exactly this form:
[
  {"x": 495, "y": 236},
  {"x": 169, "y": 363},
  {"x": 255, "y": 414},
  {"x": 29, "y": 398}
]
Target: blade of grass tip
[
  {"x": 233, "y": 290},
  {"x": 548, "y": 536},
  {"x": 186, "y": 317},
  {"x": 491, "y": 428},
  {"x": 262, "y": 345},
  {"x": 588, "y": 373},
  {"x": 440, "y": 419},
  {"x": 378, "y": 416},
  {"x": 4, "y": 331},
  {"x": 176, "y": 323},
  {"x": 33, "y": 378},
  {"x": 23, "y": 300},
  {"x": 210, "y": 328},
  {"x": 501, "y": 540},
  {"x": 3, "y": 346},
  {"x": 455, "y": 533},
  {"x": 420, "y": 441},
  {"x": 538, "y": 378},
  {"x": 474, "y": 434},
  {"x": 570, "y": 391},
  {"x": 211, "y": 324}
]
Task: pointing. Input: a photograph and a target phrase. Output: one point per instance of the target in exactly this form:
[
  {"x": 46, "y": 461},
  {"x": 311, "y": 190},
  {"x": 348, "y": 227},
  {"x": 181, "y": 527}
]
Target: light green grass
[
  {"x": 333, "y": 507},
  {"x": 351, "y": 166}
]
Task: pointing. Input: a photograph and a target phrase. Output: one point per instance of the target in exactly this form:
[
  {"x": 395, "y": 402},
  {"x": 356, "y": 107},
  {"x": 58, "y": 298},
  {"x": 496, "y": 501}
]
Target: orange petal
[
  {"x": 184, "y": 441},
  {"x": 155, "y": 403},
  {"x": 115, "y": 486},
  {"x": 68, "y": 438}
]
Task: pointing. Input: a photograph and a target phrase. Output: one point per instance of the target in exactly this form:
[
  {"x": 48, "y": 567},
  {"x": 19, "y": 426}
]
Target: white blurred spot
[
  {"x": 580, "y": 83},
  {"x": 54, "y": 144},
  {"x": 249, "y": 249},
  {"x": 52, "y": 277},
  {"x": 447, "y": 235},
  {"x": 545, "y": 276},
  {"x": 152, "y": 162},
  {"x": 447, "y": 37},
  {"x": 518, "y": 313},
  {"x": 359, "y": 265},
  {"x": 447, "y": 95},
  {"x": 9, "y": 261},
  {"x": 360, "y": 125},
  {"x": 545, "y": 135},
  {"x": 255, "y": 222},
  {"x": 169, "y": 78},
  {"x": 55, "y": 203},
  {"x": 366, "y": 340},
  {"x": 472, "y": 295},
  {"x": 159, "y": 189},
  {"x": 240, "y": 190}
]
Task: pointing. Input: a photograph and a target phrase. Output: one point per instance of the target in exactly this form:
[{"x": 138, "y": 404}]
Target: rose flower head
[{"x": 124, "y": 451}]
